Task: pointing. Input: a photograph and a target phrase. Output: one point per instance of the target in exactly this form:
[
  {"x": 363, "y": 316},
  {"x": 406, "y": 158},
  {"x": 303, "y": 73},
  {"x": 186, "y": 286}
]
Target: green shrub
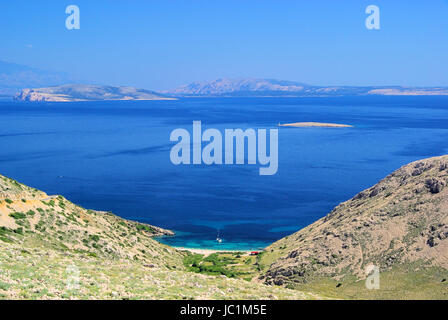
[
  {"x": 4, "y": 231},
  {"x": 142, "y": 227},
  {"x": 94, "y": 237},
  {"x": 18, "y": 215},
  {"x": 192, "y": 260}
]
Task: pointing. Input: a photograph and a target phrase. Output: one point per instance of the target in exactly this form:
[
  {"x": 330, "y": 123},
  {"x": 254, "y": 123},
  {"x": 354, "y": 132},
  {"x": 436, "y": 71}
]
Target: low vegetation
[{"x": 229, "y": 264}]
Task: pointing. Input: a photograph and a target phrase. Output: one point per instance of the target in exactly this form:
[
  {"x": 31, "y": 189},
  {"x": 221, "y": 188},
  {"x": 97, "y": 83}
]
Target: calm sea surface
[{"x": 114, "y": 156}]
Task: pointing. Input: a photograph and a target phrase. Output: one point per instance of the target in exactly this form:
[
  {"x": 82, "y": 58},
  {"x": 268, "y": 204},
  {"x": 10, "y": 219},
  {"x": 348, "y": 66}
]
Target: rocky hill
[
  {"x": 249, "y": 87},
  {"x": 29, "y": 215},
  {"x": 221, "y": 87},
  {"x": 51, "y": 248},
  {"x": 78, "y": 92},
  {"x": 399, "y": 225}
]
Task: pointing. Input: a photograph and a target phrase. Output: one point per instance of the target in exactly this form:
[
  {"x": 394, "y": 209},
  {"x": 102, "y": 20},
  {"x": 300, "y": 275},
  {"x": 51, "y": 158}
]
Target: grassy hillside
[
  {"x": 33, "y": 219},
  {"x": 53, "y": 249},
  {"x": 399, "y": 225}
]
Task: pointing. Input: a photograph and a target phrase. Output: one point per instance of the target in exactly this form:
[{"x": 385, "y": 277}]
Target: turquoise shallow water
[
  {"x": 115, "y": 156},
  {"x": 179, "y": 240}
]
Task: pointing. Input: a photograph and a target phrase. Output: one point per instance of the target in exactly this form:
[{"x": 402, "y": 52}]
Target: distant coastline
[{"x": 78, "y": 92}]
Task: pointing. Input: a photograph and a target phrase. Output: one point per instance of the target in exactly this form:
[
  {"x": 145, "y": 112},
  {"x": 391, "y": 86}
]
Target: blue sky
[{"x": 163, "y": 44}]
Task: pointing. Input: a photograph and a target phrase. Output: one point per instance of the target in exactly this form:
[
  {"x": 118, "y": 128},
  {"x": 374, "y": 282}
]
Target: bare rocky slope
[{"x": 399, "y": 225}]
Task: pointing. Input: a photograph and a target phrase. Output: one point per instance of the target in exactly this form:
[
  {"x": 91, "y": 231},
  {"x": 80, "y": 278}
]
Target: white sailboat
[{"x": 218, "y": 239}]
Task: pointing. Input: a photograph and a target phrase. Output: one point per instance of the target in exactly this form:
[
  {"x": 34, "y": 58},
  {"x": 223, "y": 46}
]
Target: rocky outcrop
[{"x": 401, "y": 220}]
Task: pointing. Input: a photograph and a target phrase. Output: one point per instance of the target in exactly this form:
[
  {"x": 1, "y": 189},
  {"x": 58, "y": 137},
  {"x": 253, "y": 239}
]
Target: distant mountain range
[
  {"x": 268, "y": 87},
  {"x": 14, "y": 77},
  {"x": 238, "y": 86},
  {"x": 80, "y": 92},
  {"x": 39, "y": 85}
]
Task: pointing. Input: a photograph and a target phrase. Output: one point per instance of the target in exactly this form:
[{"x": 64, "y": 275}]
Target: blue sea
[{"x": 115, "y": 156}]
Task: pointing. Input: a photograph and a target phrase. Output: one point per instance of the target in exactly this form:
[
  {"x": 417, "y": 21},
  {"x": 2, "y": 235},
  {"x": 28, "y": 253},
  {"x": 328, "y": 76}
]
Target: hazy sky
[{"x": 162, "y": 44}]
